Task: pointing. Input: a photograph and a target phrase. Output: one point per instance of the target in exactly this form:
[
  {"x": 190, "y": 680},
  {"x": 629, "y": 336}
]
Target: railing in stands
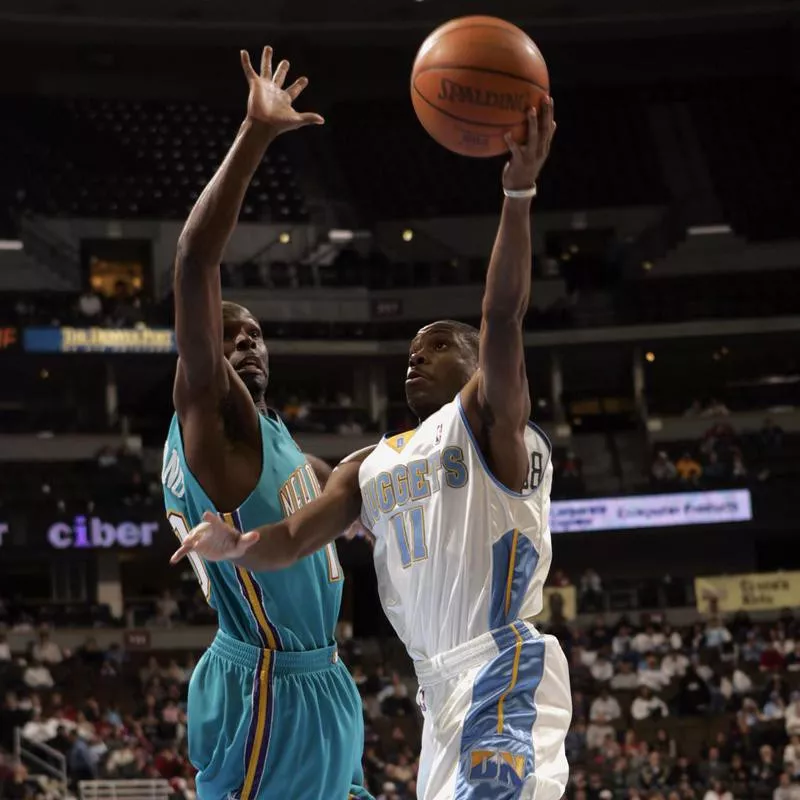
[
  {"x": 124, "y": 790},
  {"x": 40, "y": 758}
]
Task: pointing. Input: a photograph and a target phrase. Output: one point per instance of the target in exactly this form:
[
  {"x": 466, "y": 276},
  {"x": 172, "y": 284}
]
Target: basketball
[{"x": 474, "y": 79}]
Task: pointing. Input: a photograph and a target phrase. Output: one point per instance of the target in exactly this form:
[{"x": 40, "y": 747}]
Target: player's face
[
  {"x": 439, "y": 365},
  {"x": 245, "y": 349}
]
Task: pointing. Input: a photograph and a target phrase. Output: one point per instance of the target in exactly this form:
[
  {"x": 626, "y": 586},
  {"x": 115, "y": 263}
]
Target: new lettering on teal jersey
[{"x": 292, "y": 609}]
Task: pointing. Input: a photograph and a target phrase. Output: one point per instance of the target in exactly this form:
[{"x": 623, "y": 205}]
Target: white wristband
[{"x": 516, "y": 194}]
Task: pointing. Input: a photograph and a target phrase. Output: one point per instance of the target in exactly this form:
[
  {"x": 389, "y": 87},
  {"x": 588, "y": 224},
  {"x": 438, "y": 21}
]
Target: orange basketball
[{"x": 475, "y": 78}]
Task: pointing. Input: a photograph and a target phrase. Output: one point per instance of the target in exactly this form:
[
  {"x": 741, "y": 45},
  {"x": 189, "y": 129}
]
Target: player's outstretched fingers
[
  {"x": 266, "y": 63},
  {"x": 249, "y": 72},
  {"x": 294, "y": 90},
  {"x": 187, "y": 545},
  {"x": 280, "y": 73}
]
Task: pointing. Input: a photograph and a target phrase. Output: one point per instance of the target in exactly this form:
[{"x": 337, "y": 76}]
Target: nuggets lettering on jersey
[{"x": 456, "y": 553}]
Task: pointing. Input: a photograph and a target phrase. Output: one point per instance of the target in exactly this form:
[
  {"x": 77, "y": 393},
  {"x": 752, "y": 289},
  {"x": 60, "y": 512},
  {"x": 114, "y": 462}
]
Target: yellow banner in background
[
  {"x": 560, "y": 603},
  {"x": 760, "y": 591}
]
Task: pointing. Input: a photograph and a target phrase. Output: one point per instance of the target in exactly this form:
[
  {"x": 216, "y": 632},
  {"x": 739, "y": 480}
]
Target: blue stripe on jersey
[
  {"x": 497, "y": 748},
  {"x": 514, "y": 560}
]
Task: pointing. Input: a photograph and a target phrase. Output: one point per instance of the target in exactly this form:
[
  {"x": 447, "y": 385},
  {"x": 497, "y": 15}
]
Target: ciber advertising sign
[{"x": 94, "y": 533}]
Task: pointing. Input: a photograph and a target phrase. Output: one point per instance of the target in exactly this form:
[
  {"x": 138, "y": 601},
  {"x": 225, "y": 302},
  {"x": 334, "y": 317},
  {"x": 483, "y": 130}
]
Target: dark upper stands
[
  {"x": 397, "y": 171},
  {"x": 125, "y": 159},
  {"x": 749, "y": 130}
]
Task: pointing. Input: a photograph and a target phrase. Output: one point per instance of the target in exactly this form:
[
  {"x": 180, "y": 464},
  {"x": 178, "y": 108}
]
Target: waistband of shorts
[
  {"x": 285, "y": 662},
  {"x": 473, "y": 653}
]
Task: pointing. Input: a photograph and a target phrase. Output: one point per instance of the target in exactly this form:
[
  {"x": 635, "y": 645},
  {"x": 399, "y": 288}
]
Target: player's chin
[
  {"x": 419, "y": 395},
  {"x": 256, "y": 382}
]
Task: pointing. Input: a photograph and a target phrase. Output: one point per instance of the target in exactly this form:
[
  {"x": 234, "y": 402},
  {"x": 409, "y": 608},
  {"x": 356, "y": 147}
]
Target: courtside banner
[
  {"x": 99, "y": 340},
  {"x": 765, "y": 591},
  {"x": 651, "y": 511}
]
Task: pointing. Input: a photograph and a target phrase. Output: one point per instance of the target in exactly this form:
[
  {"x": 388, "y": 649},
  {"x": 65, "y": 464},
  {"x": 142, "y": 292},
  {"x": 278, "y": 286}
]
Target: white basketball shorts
[{"x": 497, "y": 710}]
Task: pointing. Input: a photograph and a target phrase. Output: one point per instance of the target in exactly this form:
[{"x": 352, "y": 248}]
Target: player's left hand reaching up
[
  {"x": 527, "y": 159},
  {"x": 269, "y": 102},
  {"x": 215, "y": 540}
]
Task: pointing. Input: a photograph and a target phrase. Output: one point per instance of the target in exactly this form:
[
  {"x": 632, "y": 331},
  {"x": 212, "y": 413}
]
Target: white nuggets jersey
[{"x": 456, "y": 553}]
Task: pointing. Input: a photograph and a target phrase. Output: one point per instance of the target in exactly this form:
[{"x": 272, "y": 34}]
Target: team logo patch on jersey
[
  {"x": 496, "y": 766},
  {"x": 438, "y": 437}
]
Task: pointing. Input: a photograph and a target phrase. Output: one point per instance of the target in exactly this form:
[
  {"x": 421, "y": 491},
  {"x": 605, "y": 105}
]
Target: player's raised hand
[
  {"x": 269, "y": 102},
  {"x": 527, "y": 159},
  {"x": 215, "y": 540}
]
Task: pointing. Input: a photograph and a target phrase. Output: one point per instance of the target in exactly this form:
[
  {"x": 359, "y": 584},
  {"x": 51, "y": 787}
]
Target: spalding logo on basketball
[{"x": 473, "y": 80}]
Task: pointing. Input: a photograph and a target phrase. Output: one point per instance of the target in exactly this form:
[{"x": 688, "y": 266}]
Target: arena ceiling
[{"x": 351, "y": 17}]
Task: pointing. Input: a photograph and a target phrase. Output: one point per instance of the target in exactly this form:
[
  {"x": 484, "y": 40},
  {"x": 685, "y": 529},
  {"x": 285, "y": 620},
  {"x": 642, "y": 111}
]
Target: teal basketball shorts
[{"x": 274, "y": 724}]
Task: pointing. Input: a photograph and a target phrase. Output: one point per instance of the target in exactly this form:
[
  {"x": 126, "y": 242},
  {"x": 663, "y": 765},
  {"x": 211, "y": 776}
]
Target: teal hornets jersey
[{"x": 291, "y": 609}]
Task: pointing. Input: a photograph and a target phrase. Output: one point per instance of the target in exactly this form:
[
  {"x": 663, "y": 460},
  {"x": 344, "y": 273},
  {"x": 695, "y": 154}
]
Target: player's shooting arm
[{"x": 497, "y": 401}]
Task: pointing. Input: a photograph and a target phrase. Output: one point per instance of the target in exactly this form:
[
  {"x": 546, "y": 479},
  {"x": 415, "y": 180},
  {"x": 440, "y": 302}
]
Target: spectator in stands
[
  {"x": 603, "y": 712},
  {"x": 663, "y": 470},
  {"x": 622, "y": 643},
  {"x": 693, "y": 693},
  {"x": 603, "y": 669},
  {"x": 688, "y": 469},
  {"x": 590, "y": 596},
  {"x": 771, "y": 659},
  {"x": 774, "y": 708},
  {"x": 792, "y": 659},
  {"x": 651, "y": 675},
  {"x": 792, "y": 715},
  {"x": 791, "y": 756},
  {"x": 713, "y": 768},
  {"x": 738, "y": 469},
  {"x": 648, "y": 706},
  {"x": 674, "y": 664},
  {"x": 625, "y": 679},
  {"x": 394, "y": 699},
  {"x": 46, "y": 651},
  {"x": 37, "y": 676},
  {"x": 718, "y": 791},
  {"x": 19, "y": 787},
  {"x": 5, "y": 650},
  {"x": 764, "y": 774},
  {"x": 715, "y": 408},
  {"x": 714, "y": 469},
  {"x": 786, "y": 790},
  {"x": 716, "y": 634}
]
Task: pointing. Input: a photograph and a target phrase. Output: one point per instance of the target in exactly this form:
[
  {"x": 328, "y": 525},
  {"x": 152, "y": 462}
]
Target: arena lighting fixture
[
  {"x": 10, "y": 244},
  {"x": 408, "y": 235},
  {"x": 650, "y": 356},
  {"x": 709, "y": 230},
  {"x": 285, "y": 237},
  {"x": 647, "y": 265}
]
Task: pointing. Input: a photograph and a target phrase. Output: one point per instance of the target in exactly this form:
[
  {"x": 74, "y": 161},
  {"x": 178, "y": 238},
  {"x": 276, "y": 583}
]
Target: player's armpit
[{"x": 312, "y": 527}]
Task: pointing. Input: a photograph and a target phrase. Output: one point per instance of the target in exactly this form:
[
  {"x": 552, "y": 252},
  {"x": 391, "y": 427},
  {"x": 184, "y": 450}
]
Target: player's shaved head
[{"x": 231, "y": 312}]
